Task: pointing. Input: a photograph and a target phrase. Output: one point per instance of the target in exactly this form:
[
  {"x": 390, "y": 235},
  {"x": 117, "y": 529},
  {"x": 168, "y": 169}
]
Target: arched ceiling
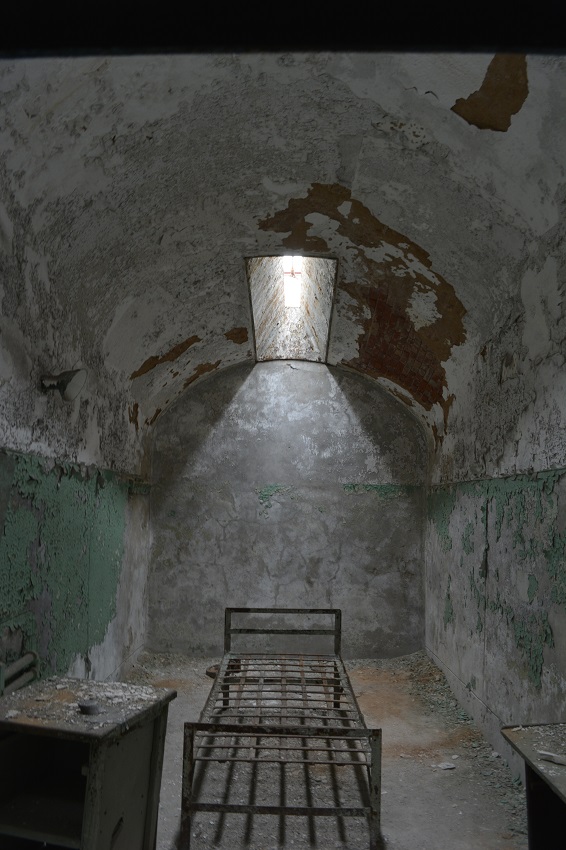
[{"x": 134, "y": 187}]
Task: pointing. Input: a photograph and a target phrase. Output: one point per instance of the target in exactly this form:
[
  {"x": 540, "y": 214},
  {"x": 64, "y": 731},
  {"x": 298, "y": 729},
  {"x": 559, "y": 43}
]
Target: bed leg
[
  {"x": 375, "y": 842},
  {"x": 188, "y": 773},
  {"x": 233, "y": 669}
]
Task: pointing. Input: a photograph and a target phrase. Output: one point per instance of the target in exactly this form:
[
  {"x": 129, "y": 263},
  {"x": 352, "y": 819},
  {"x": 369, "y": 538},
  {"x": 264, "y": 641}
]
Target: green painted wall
[
  {"x": 496, "y": 591},
  {"x": 61, "y": 551}
]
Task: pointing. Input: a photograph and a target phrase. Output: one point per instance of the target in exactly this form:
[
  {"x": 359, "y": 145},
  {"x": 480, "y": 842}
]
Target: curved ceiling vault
[{"x": 135, "y": 188}]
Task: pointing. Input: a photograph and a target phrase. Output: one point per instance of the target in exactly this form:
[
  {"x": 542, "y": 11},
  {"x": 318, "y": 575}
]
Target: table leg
[{"x": 546, "y": 814}]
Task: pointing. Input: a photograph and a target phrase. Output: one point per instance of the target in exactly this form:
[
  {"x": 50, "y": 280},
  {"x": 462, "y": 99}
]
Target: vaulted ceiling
[{"x": 133, "y": 188}]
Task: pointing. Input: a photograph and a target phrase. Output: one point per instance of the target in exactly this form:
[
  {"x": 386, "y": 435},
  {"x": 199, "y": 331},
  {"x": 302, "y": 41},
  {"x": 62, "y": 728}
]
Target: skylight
[
  {"x": 291, "y": 303},
  {"x": 292, "y": 283}
]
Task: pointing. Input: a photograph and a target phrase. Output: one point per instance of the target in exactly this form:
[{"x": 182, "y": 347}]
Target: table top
[
  {"x": 529, "y": 741},
  {"x": 81, "y": 708}
]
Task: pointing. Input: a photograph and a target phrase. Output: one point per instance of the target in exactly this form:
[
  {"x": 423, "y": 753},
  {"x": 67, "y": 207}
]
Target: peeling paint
[
  {"x": 441, "y": 503},
  {"x": 532, "y": 633},
  {"x": 169, "y": 357},
  {"x": 555, "y": 560},
  {"x": 266, "y": 493},
  {"x": 133, "y": 413},
  {"x": 392, "y": 344},
  {"x": 522, "y": 576},
  {"x": 237, "y": 335},
  {"x": 509, "y": 497},
  {"x": 61, "y": 549},
  {"x": 201, "y": 370},
  {"x": 500, "y": 96},
  {"x": 480, "y": 600},
  {"x": 150, "y": 421},
  {"x": 384, "y": 491},
  {"x": 448, "y": 607},
  {"x": 467, "y": 541},
  {"x": 532, "y": 588}
]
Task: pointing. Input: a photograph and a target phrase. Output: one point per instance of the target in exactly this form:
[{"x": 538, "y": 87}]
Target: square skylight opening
[{"x": 291, "y": 298}]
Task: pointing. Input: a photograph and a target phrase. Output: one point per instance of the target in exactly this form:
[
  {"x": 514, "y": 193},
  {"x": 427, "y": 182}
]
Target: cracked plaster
[{"x": 133, "y": 188}]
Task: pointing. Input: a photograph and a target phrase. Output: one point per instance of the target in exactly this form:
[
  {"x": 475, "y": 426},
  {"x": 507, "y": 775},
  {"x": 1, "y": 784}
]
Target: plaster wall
[
  {"x": 435, "y": 180},
  {"x": 495, "y": 542},
  {"x": 496, "y": 596},
  {"x": 288, "y": 484},
  {"x": 72, "y": 561},
  {"x": 41, "y": 334}
]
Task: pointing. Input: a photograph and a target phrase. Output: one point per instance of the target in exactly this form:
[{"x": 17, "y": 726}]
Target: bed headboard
[{"x": 334, "y": 629}]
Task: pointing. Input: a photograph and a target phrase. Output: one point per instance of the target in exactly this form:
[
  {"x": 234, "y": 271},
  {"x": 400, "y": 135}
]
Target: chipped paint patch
[
  {"x": 467, "y": 540},
  {"x": 133, "y": 413},
  {"x": 515, "y": 501},
  {"x": 201, "y": 369},
  {"x": 266, "y": 494},
  {"x": 479, "y": 597},
  {"x": 531, "y": 634},
  {"x": 237, "y": 335},
  {"x": 387, "y": 492},
  {"x": 441, "y": 504},
  {"x": 516, "y": 587},
  {"x": 555, "y": 560},
  {"x": 501, "y": 95},
  {"x": 448, "y": 607},
  {"x": 61, "y": 551},
  {"x": 422, "y": 309},
  {"x": 397, "y": 341},
  {"x": 390, "y": 347},
  {"x": 169, "y": 357},
  {"x": 154, "y": 417}
]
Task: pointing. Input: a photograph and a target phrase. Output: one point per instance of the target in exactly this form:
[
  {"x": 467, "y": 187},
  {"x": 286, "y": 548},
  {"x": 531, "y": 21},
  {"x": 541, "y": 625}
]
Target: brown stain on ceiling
[
  {"x": 154, "y": 417},
  {"x": 133, "y": 414},
  {"x": 501, "y": 95},
  {"x": 200, "y": 370},
  {"x": 237, "y": 335},
  {"x": 170, "y": 356},
  {"x": 389, "y": 344}
]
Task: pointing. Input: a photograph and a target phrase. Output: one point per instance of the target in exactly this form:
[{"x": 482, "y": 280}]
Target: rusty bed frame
[{"x": 281, "y": 711}]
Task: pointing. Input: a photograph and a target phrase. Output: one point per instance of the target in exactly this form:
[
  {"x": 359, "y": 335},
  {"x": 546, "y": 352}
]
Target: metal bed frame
[{"x": 281, "y": 712}]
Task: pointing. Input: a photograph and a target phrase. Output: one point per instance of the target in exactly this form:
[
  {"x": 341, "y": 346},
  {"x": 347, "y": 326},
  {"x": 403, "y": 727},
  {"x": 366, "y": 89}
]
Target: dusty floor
[{"x": 426, "y": 804}]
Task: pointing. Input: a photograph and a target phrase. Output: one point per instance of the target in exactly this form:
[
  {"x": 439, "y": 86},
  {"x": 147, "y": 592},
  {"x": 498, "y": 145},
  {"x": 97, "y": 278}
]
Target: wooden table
[
  {"x": 545, "y": 782},
  {"x": 80, "y": 764}
]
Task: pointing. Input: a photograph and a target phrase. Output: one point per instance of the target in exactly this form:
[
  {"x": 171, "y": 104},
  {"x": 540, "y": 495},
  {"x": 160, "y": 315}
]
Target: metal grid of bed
[{"x": 269, "y": 713}]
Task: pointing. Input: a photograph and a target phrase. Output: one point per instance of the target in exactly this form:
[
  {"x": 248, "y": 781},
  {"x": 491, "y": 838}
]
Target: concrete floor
[{"x": 426, "y": 805}]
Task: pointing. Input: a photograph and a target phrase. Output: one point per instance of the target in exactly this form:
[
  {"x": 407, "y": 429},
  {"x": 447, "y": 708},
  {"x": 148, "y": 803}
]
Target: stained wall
[
  {"x": 288, "y": 484},
  {"x": 72, "y": 556},
  {"x": 132, "y": 190},
  {"x": 496, "y": 530}
]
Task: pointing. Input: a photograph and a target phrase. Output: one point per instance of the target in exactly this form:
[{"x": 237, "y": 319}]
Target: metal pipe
[
  {"x": 15, "y": 684},
  {"x": 21, "y": 664},
  {"x": 9, "y": 678}
]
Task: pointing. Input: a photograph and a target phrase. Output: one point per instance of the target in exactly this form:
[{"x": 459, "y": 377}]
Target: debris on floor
[{"x": 443, "y": 784}]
